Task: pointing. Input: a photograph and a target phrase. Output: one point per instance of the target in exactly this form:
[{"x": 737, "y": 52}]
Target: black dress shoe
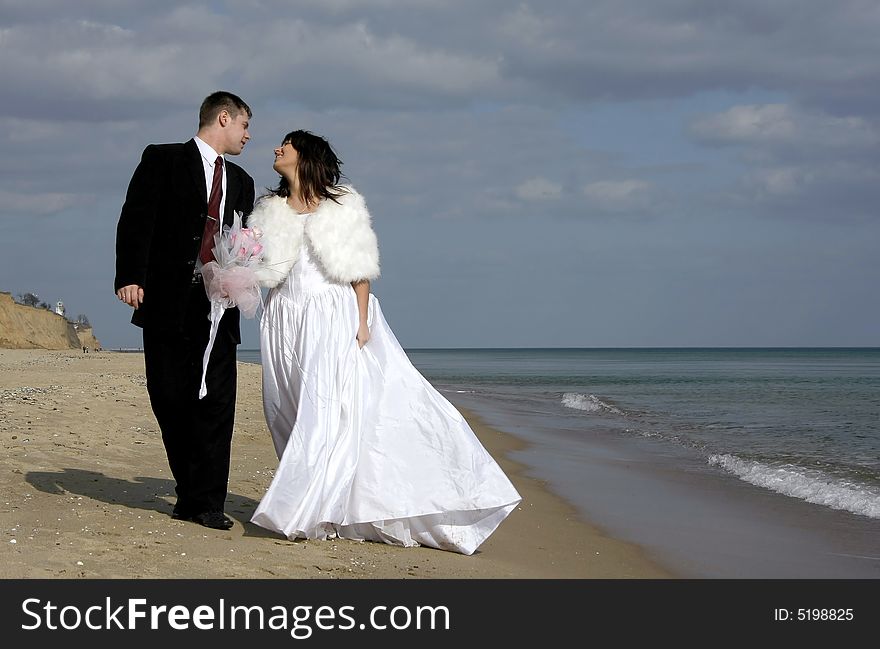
[
  {"x": 181, "y": 514},
  {"x": 214, "y": 520}
]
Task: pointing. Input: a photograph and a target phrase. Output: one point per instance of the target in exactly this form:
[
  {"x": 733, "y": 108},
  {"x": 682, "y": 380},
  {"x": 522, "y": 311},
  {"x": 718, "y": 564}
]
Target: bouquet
[{"x": 231, "y": 279}]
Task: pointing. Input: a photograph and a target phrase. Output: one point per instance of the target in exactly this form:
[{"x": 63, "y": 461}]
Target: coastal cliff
[{"x": 26, "y": 327}]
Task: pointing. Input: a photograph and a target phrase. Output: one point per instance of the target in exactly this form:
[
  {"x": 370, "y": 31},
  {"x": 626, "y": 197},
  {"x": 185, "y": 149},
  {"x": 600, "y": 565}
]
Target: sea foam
[
  {"x": 587, "y": 402},
  {"x": 814, "y": 487}
]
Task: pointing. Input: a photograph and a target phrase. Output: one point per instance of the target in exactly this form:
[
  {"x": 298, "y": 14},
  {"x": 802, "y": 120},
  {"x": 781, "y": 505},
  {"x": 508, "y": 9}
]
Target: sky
[{"x": 620, "y": 173}]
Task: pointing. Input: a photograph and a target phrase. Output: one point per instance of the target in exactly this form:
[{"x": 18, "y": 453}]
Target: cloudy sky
[{"x": 558, "y": 173}]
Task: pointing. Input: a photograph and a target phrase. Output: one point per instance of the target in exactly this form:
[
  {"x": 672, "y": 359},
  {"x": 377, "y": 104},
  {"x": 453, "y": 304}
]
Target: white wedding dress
[{"x": 368, "y": 449}]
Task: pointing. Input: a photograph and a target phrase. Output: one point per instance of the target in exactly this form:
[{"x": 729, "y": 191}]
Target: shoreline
[
  {"x": 87, "y": 494},
  {"x": 695, "y": 520}
]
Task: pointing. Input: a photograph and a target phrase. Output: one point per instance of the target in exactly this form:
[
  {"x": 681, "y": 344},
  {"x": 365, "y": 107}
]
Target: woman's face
[{"x": 285, "y": 159}]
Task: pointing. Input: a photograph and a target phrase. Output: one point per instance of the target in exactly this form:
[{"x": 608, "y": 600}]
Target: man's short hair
[{"x": 220, "y": 101}]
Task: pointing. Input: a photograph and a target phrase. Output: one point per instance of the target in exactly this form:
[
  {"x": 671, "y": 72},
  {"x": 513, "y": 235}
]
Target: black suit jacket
[{"x": 160, "y": 232}]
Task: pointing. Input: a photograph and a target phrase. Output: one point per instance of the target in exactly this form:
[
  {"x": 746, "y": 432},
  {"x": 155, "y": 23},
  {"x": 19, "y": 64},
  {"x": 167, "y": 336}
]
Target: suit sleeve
[{"x": 134, "y": 232}]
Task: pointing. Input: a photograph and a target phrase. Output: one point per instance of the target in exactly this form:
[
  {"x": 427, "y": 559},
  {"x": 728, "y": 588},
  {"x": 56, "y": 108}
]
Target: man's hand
[{"x": 132, "y": 295}]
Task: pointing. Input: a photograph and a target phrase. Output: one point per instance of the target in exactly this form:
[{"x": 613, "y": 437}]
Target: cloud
[
  {"x": 96, "y": 70},
  {"x": 781, "y": 181},
  {"x": 538, "y": 189},
  {"x": 631, "y": 49},
  {"x": 799, "y": 162},
  {"x": 40, "y": 204},
  {"x": 783, "y": 124},
  {"x": 630, "y": 195},
  {"x": 747, "y": 123},
  {"x": 832, "y": 190},
  {"x": 103, "y": 58}
]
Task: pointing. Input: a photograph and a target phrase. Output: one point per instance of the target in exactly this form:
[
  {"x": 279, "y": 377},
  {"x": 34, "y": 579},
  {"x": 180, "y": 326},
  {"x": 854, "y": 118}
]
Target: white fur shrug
[{"x": 339, "y": 234}]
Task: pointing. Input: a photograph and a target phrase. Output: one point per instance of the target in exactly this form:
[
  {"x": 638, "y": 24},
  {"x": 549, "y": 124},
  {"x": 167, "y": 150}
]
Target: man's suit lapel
[
  {"x": 196, "y": 170},
  {"x": 233, "y": 189}
]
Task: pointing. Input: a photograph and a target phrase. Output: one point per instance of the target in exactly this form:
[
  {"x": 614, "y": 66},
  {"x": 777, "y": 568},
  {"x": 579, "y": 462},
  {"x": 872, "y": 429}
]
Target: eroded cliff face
[
  {"x": 25, "y": 327},
  {"x": 87, "y": 339}
]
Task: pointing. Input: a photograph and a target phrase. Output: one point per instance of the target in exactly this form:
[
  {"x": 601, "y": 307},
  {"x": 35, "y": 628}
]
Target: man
[{"x": 165, "y": 234}]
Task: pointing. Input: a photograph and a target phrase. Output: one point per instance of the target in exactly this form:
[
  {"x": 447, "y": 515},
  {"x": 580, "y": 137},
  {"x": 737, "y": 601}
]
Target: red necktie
[{"x": 212, "y": 223}]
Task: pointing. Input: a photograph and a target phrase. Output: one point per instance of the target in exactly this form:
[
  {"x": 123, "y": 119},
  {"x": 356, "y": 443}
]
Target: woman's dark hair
[{"x": 317, "y": 168}]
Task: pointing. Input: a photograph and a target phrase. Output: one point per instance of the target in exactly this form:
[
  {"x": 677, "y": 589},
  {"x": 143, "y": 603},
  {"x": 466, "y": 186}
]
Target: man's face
[{"x": 236, "y": 133}]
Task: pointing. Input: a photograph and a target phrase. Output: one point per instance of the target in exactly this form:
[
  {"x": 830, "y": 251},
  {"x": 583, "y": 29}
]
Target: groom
[{"x": 175, "y": 202}]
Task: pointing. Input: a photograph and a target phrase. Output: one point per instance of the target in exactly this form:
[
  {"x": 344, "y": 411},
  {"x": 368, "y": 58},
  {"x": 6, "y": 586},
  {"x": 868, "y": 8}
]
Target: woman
[{"x": 368, "y": 449}]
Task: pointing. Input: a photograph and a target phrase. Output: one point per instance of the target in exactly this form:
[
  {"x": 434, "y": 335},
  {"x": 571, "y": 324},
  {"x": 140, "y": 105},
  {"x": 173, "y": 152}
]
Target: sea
[{"x": 720, "y": 463}]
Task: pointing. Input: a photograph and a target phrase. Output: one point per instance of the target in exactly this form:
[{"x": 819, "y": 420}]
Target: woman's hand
[
  {"x": 362, "y": 291},
  {"x": 363, "y": 335}
]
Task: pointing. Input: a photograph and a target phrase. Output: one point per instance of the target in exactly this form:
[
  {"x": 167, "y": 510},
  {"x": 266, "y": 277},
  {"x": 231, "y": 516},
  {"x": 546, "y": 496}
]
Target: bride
[{"x": 368, "y": 449}]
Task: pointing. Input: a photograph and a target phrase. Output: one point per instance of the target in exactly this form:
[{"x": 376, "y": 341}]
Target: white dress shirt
[{"x": 208, "y": 158}]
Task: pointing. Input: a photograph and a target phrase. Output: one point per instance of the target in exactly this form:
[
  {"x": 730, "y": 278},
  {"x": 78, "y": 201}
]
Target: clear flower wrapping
[{"x": 231, "y": 279}]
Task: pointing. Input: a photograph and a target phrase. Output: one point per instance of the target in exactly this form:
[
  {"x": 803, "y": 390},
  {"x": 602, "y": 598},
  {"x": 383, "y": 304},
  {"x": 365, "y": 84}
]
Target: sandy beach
[{"x": 87, "y": 494}]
